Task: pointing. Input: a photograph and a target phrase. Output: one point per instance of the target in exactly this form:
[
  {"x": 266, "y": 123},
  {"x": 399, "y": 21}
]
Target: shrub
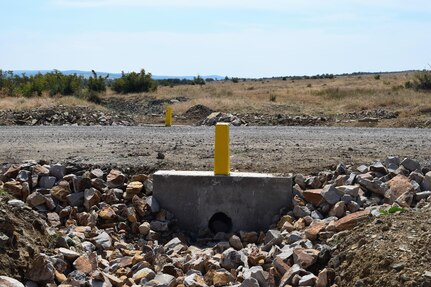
[
  {"x": 198, "y": 81},
  {"x": 235, "y": 80},
  {"x": 377, "y": 77},
  {"x": 134, "y": 83},
  {"x": 272, "y": 98},
  {"x": 420, "y": 81},
  {"x": 97, "y": 83}
]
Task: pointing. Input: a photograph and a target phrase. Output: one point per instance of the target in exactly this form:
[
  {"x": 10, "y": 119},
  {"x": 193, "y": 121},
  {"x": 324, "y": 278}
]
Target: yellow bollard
[
  {"x": 168, "y": 120},
  {"x": 221, "y": 150}
]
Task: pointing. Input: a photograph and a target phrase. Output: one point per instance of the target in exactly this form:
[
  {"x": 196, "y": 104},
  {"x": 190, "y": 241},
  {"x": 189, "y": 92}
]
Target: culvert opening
[{"x": 220, "y": 222}]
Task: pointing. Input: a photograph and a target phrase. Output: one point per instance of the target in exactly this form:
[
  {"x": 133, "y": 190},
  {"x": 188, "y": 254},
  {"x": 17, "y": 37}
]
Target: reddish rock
[
  {"x": 313, "y": 196},
  {"x": 305, "y": 257},
  {"x": 314, "y": 229},
  {"x": 398, "y": 186},
  {"x": 351, "y": 220}
]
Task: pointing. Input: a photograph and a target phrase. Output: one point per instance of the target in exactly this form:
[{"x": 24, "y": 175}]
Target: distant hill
[{"x": 87, "y": 74}]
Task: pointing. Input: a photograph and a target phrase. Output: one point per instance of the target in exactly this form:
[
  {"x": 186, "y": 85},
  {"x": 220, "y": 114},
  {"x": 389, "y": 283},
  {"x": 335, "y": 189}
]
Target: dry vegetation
[
  {"x": 45, "y": 101},
  {"x": 312, "y": 96}
]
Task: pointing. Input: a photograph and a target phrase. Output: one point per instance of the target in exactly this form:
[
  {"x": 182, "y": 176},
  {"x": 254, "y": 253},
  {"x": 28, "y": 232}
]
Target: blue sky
[{"x": 226, "y": 37}]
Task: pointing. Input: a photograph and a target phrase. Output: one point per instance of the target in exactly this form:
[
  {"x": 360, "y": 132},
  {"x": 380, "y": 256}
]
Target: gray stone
[
  {"x": 96, "y": 173},
  {"x": 308, "y": 280},
  {"x": 80, "y": 184},
  {"x": 232, "y": 259},
  {"x": 351, "y": 179},
  {"x": 24, "y": 176},
  {"x": 331, "y": 194},
  {"x": 257, "y": 273},
  {"x": 235, "y": 242},
  {"x": 352, "y": 190},
  {"x": 301, "y": 211},
  {"x": 159, "y": 226},
  {"x": 374, "y": 185},
  {"x": 47, "y": 181},
  {"x": 362, "y": 168},
  {"x": 378, "y": 167},
  {"x": 162, "y": 280},
  {"x": 41, "y": 270},
  {"x": 194, "y": 280},
  {"x": 293, "y": 236},
  {"x": 58, "y": 171},
  {"x": 103, "y": 241},
  {"x": 148, "y": 186},
  {"x": 272, "y": 235},
  {"x": 422, "y": 195},
  {"x": 16, "y": 203},
  {"x": 76, "y": 199},
  {"x": 411, "y": 164},
  {"x": 144, "y": 275},
  {"x": 315, "y": 214},
  {"x": 9, "y": 282},
  {"x": 250, "y": 282},
  {"x": 173, "y": 243},
  {"x": 392, "y": 160}
]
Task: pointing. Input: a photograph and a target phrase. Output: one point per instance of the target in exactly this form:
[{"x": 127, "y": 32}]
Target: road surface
[{"x": 259, "y": 149}]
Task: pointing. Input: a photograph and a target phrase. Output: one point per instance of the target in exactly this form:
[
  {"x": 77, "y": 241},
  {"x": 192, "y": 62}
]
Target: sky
[{"x": 235, "y": 38}]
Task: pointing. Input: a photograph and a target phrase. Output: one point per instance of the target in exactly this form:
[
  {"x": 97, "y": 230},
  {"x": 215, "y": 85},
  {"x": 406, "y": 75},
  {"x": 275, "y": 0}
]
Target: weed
[
  {"x": 272, "y": 98},
  {"x": 392, "y": 210}
]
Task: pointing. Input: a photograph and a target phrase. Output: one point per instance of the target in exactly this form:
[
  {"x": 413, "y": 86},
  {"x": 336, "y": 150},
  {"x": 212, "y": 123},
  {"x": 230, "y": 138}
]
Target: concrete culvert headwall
[{"x": 240, "y": 201}]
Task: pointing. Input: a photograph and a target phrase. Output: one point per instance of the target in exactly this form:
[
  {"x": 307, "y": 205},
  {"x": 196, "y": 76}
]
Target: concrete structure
[{"x": 241, "y": 201}]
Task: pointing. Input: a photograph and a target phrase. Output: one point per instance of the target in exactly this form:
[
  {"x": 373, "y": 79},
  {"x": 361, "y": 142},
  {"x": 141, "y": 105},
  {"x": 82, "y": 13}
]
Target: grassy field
[{"x": 295, "y": 97}]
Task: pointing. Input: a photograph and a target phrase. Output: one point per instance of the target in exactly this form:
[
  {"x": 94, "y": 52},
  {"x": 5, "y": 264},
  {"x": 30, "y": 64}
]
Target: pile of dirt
[
  {"x": 199, "y": 112},
  {"x": 391, "y": 250},
  {"x": 23, "y": 235},
  {"x": 64, "y": 115}
]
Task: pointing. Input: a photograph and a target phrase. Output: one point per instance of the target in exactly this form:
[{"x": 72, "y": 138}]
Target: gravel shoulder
[{"x": 260, "y": 149}]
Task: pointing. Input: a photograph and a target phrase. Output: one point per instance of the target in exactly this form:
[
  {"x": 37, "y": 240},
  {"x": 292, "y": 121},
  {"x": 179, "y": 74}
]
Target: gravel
[{"x": 260, "y": 149}]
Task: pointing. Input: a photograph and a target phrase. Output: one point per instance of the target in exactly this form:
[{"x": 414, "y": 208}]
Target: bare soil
[{"x": 392, "y": 250}]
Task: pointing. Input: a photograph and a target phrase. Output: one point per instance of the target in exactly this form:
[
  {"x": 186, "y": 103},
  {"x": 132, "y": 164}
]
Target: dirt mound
[
  {"x": 23, "y": 235},
  {"x": 64, "y": 115},
  {"x": 198, "y": 112},
  {"x": 391, "y": 250}
]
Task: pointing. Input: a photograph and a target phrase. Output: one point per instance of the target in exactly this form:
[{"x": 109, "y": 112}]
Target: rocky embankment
[
  {"x": 64, "y": 115},
  {"x": 105, "y": 229}
]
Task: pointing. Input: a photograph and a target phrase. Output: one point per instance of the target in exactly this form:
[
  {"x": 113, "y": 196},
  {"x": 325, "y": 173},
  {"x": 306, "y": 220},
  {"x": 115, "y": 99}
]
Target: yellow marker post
[
  {"x": 168, "y": 120},
  {"x": 221, "y": 149}
]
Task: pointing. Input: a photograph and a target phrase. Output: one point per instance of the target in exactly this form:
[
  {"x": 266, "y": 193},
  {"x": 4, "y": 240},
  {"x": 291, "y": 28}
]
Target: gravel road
[{"x": 260, "y": 149}]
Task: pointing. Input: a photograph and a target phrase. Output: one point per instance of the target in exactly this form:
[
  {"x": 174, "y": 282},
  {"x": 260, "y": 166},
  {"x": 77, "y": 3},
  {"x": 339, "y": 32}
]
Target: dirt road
[{"x": 260, "y": 149}]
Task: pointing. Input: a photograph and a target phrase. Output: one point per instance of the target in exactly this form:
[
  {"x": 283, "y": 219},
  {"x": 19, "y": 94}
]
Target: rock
[
  {"x": 378, "y": 167},
  {"x": 301, "y": 211},
  {"x": 53, "y": 219},
  {"x": 194, "y": 280},
  {"x": 86, "y": 263},
  {"x": 235, "y": 242},
  {"x": 57, "y": 170},
  {"x": 114, "y": 280},
  {"x": 144, "y": 228},
  {"x": 153, "y": 204},
  {"x": 331, "y": 194},
  {"x": 257, "y": 273},
  {"x": 61, "y": 191},
  {"x": 411, "y": 164},
  {"x": 312, "y": 231},
  {"x": 148, "y": 186},
  {"x": 322, "y": 278},
  {"x": 9, "y": 282},
  {"x": 397, "y": 186},
  {"x": 35, "y": 199},
  {"x": 76, "y": 199},
  {"x": 40, "y": 170},
  {"x": 313, "y": 196},
  {"x": 305, "y": 257},
  {"x": 162, "y": 280},
  {"x": 80, "y": 184},
  {"x": 248, "y": 237},
  {"x": 14, "y": 187},
  {"x": 374, "y": 185},
  {"x": 68, "y": 254},
  {"x": 222, "y": 278},
  {"x": 352, "y": 190},
  {"x": 99, "y": 184},
  {"x": 351, "y": 220},
  {"x": 96, "y": 173},
  {"x": 41, "y": 270},
  {"x": 134, "y": 187},
  {"x": 292, "y": 272},
  {"x": 24, "y": 176},
  {"x": 91, "y": 198},
  {"x": 308, "y": 280},
  {"x": 145, "y": 274},
  {"x": 12, "y": 171},
  {"x": 338, "y": 209},
  {"x": 115, "y": 179},
  {"x": 16, "y": 203},
  {"x": 159, "y": 226},
  {"x": 173, "y": 243},
  {"x": 232, "y": 259},
  {"x": 107, "y": 213},
  {"x": 362, "y": 168},
  {"x": 103, "y": 241},
  {"x": 250, "y": 282}
]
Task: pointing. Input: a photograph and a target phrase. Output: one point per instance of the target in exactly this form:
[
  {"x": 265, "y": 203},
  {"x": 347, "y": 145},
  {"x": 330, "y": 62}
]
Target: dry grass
[
  {"x": 319, "y": 96},
  {"x": 21, "y": 103}
]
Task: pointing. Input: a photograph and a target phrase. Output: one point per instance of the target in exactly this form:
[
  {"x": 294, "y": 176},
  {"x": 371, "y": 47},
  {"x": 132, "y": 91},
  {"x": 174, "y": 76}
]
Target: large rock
[
  {"x": 103, "y": 241},
  {"x": 35, "y": 199},
  {"x": 314, "y": 196},
  {"x": 374, "y": 185},
  {"x": 222, "y": 278},
  {"x": 61, "y": 191},
  {"x": 115, "y": 179},
  {"x": 232, "y": 259},
  {"x": 57, "y": 170},
  {"x": 91, "y": 198},
  {"x": 145, "y": 274},
  {"x": 411, "y": 164},
  {"x": 312, "y": 231},
  {"x": 398, "y": 185},
  {"x": 9, "y": 282},
  {"x": 162, "y": 280},
  {"x": 41, "y": 270},
  {"x": 257, "y": 273},
  {"x": 331, "y": 194},
  {"x": 305, "y": 257},
  {"x": 194, "y": 280},
  {"x": 351, "y": 220}
]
